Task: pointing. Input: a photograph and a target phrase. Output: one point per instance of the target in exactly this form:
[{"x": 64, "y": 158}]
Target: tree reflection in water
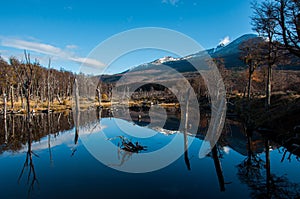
[
  {"x": 123, "y": 156},
  {"x": 256, "y": 173},
  {"x": 49, "y": 140},
  {"x": 218, "y": 167},
  {"x": 24, "y": 131},
  {"x": 186, "y": 152},
  {"x": 41, "y": 127},
  {"x": 31, "y": 174}
]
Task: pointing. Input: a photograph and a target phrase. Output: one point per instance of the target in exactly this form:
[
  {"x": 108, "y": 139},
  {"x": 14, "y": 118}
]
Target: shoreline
[{"x": 283, "y": 112}]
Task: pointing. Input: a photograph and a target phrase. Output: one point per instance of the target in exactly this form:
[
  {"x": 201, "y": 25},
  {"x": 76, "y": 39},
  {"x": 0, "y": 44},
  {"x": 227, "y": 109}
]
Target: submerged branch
[{"x": 129, "y": 146}]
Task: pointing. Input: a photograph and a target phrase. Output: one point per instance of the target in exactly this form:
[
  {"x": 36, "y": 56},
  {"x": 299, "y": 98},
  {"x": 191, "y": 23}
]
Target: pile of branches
[{"x": 128, "y": 145}]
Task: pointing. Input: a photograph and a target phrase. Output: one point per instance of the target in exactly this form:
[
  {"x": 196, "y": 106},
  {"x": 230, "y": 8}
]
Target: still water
[{"x": 60, "y": 159}]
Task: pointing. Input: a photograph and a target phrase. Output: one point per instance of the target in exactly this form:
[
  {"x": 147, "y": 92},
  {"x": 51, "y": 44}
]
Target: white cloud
[
  {"x": 87, "y": 61},
  {"x": 34, "y": 46},
  {"x": 50, "y": 50},
  {"x": 225, "y": 41},
  {"x": 172, "y": 2}
]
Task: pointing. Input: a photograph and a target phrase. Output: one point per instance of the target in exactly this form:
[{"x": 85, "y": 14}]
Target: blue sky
[{"x": 67, "y": 30}]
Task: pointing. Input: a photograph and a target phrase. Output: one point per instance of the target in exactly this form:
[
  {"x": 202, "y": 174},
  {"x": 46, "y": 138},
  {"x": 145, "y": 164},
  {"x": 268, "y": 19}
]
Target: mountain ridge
[{"x": 230, "y": 53}]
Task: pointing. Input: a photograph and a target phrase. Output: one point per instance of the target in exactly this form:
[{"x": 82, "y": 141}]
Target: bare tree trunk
[
  {"x": 99, "y": 96},
  {"x": 27, "y": 95},
  {"x": 268, "y": 90},
  {"x": 244, "y": 93},
  {"x": 186, "y": 157},
  {"x": 249, "y": 84},
  {"x": 12, "y": 96},
  {"x": 22, "y": 99},
  {"x": 4, "y": 116},
  {"x": 77, "y": 107},
  {"x": 77, "y": 112},
  {"x": 42, "y": 94},
  {"x": 58, "y": 98},
  {"x": 69, "y": 88},
  {"x": 48, "y": 87},
  {"x": 5, "y": 104},
  {"x": 36, "y": 98},
  {"x": 17, "y": 93},
  {"x": 43, "y": 90},
  {"x": 27, "y": 85}
]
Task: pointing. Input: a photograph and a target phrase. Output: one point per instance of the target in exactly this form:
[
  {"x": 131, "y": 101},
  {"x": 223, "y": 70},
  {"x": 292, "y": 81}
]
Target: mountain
[
  {"x": 233, "y": 47},
  {"x": 230, "y": 53}
]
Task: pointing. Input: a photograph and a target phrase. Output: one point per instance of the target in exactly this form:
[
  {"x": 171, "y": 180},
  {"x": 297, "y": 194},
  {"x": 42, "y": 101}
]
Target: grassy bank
[
  {"x": 68, "y": 104},
  {"x": 283, "y": 114}
]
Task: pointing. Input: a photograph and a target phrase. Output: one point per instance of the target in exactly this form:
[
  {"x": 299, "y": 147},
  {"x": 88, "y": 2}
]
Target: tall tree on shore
[
  {"x": 252, "y": 54},
  {"x": 264, "y": 23}
]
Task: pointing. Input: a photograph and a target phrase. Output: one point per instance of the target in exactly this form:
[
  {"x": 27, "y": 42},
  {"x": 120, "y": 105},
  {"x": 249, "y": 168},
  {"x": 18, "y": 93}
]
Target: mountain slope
[{"x": 231, "y": 54}]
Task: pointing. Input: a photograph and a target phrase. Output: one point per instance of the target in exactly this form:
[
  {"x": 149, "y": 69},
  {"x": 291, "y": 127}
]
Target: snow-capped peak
[{"x": 164, "y": 59}]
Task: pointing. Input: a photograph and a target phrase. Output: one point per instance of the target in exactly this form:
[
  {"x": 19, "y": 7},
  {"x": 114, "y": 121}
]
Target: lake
[{"x": 74, "y": 157}]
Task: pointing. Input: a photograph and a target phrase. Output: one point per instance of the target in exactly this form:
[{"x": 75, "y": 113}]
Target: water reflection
[
  {"x": 242, "y": 158},
  {"x": 41, "y": 125},
  {"x": 218, "y": 167},
  {"x": 29, "y": 165},
  {"x": 186, "y": 152},
  {"x": 256, "y": 173}
]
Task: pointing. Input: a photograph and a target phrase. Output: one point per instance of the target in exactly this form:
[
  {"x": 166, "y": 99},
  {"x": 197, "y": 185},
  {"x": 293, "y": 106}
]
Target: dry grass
[{"x": 38, "y": 105}]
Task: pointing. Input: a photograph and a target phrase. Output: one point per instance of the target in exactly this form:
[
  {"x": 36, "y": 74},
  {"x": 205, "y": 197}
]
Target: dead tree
[
  {"x": 48, "y": 86},
  {"x": 186, "y": 156},
  {"x": 77, "y": 111},
  {"x": 12, "y": 96},
  {"x": 4, "y": 117},
  {"x": 98, "y": 90},
  {"x": 25, "y": 72}
]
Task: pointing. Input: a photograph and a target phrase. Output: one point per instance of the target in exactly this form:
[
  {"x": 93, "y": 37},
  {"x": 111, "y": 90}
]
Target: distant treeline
[{"x": 43, "y": 84}]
